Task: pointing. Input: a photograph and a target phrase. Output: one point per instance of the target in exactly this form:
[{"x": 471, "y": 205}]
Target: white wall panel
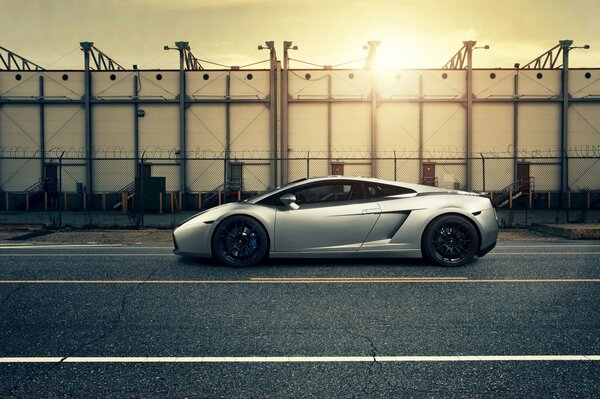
[
  {"x": 444, "y": 83},
  {"x": 539, "y": 129},
  {"x": 104, "y": 86},
  {"x": 398, "y": 127},
  {"x": 250, "y": 84},
  {"x": 444, "y": 129},
  {"x": 27, "y": 86},
  {"x": 20, "y": 127},
  {"x": 492, "y": 128},
  {"x": 64, "y": 84},
  {"x": 397, "y": 84},
  {"x": 165, "y": 87},
  {"x": 584, "y": 127},
  {"x": 113, "y": 127},
  {"x": 539, "y": 83},
  {"x": 159, "y": 128},
  {"x": 65, "y": 129},
  {"x": 351, "y": 129},
  {"x": 308, "y": 85},
  {"x": 205, "y": 128},
  {"x": 206, "y": 84},
  {"x": 250, "y": 128},
  {"x": 493, "y": 83},
  {"x": 307, "y": 128},
  {"x": 351, "y": 84},
  {"x": 584, "y": 83}
]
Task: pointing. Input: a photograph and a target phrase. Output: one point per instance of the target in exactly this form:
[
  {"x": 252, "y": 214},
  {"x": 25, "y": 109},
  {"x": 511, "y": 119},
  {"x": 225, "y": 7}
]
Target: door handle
[{"x": 371, "y": 211}]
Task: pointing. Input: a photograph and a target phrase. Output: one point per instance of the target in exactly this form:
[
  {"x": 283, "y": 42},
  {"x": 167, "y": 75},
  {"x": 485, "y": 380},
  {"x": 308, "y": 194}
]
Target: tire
[
  {"x": 240, "y": 241},
  {"x": 450, "y": 241}
]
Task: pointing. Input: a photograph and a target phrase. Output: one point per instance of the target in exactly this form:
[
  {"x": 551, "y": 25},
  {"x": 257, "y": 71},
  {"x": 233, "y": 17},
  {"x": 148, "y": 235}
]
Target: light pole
[
  {"x": 270, "y": 45},
  {"x": 287, "y": 45},
  {"x": 469, "y": 47},
  {"x": 181, "y": 47}
]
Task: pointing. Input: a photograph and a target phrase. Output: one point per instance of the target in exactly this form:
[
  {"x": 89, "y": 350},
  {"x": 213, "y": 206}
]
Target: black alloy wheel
[
  {"x": 240, "y": 241},
  {"x": 450, "y": 241}
]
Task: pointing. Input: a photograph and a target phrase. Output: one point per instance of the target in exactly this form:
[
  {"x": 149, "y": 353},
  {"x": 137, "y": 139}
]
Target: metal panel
[
  {"x": 398, "y": 84},
  {"x": 112, "y": 84},
  {"x": 206, "y": 84},
  {"x": 19, "y": 83},
  {"x": 584, "y": 83},
  {"x": 113, "y": 129},
  {"x": 250, "y": 84},
  {"x": 539, "y": 83},
  {"x": 304, "y": 84},
  {"x": 205, "y": 129},
  {"x": 65, "y": 129},
  {"x": 167, "y": 87},
  {"x": 492, "y": 127},
  {"x": 444, "y": 84},
  {"x": 351, "y": 127},
  {"x": 493, "y": 83},
  {"x": 66, "y": 84},
  {"x": 307, "y": 129},
  {"x": 250, "y": 128},
  {"x": 19, "y": 127},
  {"x": 398, "y": 128},
  {"x": 444, "y": 130},
  {"x": 351, "y": 84},
  {"x": 539, "y": 129}
]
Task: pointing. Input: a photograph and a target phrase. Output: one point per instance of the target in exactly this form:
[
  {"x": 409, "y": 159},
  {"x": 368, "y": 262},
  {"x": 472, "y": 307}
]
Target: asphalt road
[{"x": 112, "y": 321}]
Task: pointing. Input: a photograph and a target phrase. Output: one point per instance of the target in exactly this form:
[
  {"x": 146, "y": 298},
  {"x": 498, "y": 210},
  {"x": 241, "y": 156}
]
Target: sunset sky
[{"x": 421, "y": 34}]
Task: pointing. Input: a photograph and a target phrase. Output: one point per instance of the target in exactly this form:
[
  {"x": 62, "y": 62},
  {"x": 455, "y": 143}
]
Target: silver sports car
[{"x": 340, "y": 216}]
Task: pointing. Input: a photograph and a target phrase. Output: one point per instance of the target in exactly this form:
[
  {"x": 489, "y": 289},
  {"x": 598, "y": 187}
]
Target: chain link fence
[{"x": 152, "y": 186}]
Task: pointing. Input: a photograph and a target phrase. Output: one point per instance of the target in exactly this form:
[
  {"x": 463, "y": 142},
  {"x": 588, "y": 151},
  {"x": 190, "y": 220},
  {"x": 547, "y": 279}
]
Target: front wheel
[
  {"x": 450, "y": 241},
  {"x": 240, "y": 241}
]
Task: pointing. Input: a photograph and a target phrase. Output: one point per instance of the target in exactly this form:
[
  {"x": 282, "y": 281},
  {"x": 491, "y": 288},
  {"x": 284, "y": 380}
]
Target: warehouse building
[{"x": 521, "y": 130}]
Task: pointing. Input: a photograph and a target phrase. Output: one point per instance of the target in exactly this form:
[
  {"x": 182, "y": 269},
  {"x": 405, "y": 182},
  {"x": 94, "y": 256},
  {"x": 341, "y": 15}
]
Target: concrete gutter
[{"x": 572, "y": 231}]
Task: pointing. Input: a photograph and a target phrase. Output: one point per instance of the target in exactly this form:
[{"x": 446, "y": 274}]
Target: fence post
[
  {"x": 395, "y": 167},
  {"x": 6, "y": 200},
  {"x": 307, "y": 164},
  {"x": 60, "y": 188},
  {"x": 510, "y": 197},
  {"x": 160, "y": 203},
  {"x": 199, "y": 200},
  {"x": 483, "y": 169},
  {"x": 45, "y": 200},
  {"x": 27, "y": 201}
]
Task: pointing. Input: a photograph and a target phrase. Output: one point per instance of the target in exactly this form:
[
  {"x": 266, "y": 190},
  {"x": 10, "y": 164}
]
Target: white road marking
[
  {"x": 551, "y": 246},
  {"x": 40, "y": 246},
  {"x": 305, "y": 359}
]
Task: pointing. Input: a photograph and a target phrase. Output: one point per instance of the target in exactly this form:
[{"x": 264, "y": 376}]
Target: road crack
[{"x": 118, "y": 319}]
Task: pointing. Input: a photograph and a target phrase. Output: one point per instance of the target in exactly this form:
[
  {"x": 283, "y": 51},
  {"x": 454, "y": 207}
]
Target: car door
[{"x": 331, "y": 217}]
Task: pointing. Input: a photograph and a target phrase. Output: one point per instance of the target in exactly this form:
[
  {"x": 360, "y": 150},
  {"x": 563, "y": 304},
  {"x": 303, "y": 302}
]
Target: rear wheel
[
  {"x": 450, "y": 241},
  {"x": 240, "y": 241}
]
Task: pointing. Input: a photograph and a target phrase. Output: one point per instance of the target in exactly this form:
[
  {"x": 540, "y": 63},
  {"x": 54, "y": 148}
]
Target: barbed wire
[{"x": 148, "y": 153}]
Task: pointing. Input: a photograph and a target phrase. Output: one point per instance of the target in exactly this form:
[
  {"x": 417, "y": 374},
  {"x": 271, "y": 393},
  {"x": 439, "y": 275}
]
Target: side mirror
[{"x": 289, "y": 200}]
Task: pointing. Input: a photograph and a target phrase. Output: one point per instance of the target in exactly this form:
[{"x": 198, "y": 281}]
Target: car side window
[
  {"x": 376, "y": 190},
  {"x": 330, "y": 192}
]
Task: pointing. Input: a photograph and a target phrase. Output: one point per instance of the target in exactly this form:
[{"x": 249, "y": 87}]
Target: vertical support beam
[
  {"x": 329, "y": 120},
  {"x": 86, "y": 47},
  {"x": 227, "y": 132},
  {"x": 42, "y": 133},
  {"x": 373, "y": 123},
  {"x": 182, "y": 46},
  {"x": 516, "y": 123},
  {"x": 136, "y": 128},
  {"x": 469, "y": 139},
  {"x": 564, "y": 129},
  {"x": 284, "y": 113},
  {"x": 273, "y": 111},
  {"x": 421, "y": 105}
]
